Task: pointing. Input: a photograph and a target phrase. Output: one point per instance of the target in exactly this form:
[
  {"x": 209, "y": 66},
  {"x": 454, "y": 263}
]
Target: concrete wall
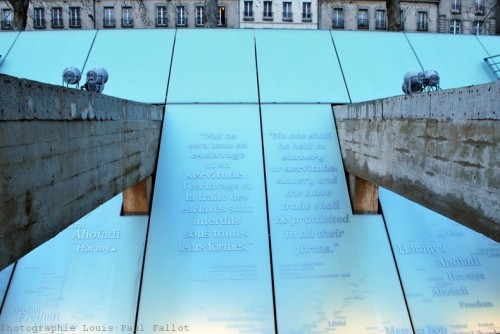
[
  {"x": 438, "y": 149},
  {"x": 63, "y": 152}
]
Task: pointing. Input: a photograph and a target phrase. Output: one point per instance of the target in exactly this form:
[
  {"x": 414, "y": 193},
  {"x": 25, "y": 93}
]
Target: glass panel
[
  {"x": 450, "y": 273},
  {"x": 84, "y": 279},
  {"x": 332, "y": 271},
  {"x": 208, "y": 263}
]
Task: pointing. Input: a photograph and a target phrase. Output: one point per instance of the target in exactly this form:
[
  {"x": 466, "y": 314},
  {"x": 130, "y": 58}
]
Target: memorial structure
[{"x": 251, "y": 228}]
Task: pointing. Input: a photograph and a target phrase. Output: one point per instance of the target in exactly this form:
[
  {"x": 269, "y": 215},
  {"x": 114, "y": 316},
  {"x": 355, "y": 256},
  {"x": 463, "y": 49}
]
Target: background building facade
[{"x": 442, "y": 16}]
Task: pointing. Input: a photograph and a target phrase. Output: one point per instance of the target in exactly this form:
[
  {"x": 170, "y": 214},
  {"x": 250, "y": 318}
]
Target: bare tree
[
  {"x": 20, "y": 10},
  {"x": 393, "y": 18},
  {"x": 211, "y": 10}
]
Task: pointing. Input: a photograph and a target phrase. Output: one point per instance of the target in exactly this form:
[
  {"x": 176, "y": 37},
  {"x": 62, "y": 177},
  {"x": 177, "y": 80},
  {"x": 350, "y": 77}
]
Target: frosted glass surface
[
  {"x": 333, "y": 272},
  {"x": 4, "y": 281},
  {"x": 87, "y": 276},
  {"x": 213, "y": 66},
  {"x": 450, "y": 273},
  {"x": 374, "y": 63},
  {"x": 298, "y": 66},
  {"x": 137, "y": 60},
  {"x": 6, "y": 41},
  {"x": 207, "y": 267},
  {"x": 43, "y": 56},
  {"x": 457, "y": 58}
]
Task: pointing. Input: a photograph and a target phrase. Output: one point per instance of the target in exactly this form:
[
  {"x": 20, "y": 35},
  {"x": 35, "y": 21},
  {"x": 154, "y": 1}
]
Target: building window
[
  {"x": 127, "y": 19},
  {"x": 7, "y": 19},
  {"x": 221, "y": 16},
  {"x": 401, "y": 20},
  {"x": 454, "y": 26},
  {"x": 306, "y": 12},
  {"x": 380, "y": 19},
  {"x": 287, "y": 11},
  {"x": 109, "y": 17},
  {"x": 456, "y": 6},
  {"x": 477, "y": 28},
  {"x": 75, "y": 20},
  {"x": 268, "y": 11},
  {"x": 57, "y": 19},
  {"x": 479, "y": 7},
  {"x": 39, "y": 19},
  {"x": 181, "y": 17},
  {"x": 422, "y": 21},
  {"x": 338, "y": 18},
  {"x": 200, "y": 16},
  {"x": 161, "y": 16},
  {"x": 248, "y": 10},
  {"x": 363, "y": 19}
]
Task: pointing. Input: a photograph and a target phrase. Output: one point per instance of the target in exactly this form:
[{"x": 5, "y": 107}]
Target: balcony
[
  {"x": 128, "y": 22},
  {"x": 57, "y": 23},
  {"x": 288, "y": 16},
  {"x": 456, "y": 8},
  {"x": 380, "y": 24},
  {"x": 75, "y": 23},
  {"x": 306, "y": 17},
  {"x": 39, "y": 24},
  {"x": 109, "y": 23},
  {"x": 338, "y": 24},
  {"x": 267, "y": 16},
  {"x": 161, "y": 22},
  {"x": 362, "y": 23},
  {"x": 7, "y": 25},
  {"x": 479, "y": 9},
  {"x": 421, "y": 26},
  {"x": 248, "y": 16}
]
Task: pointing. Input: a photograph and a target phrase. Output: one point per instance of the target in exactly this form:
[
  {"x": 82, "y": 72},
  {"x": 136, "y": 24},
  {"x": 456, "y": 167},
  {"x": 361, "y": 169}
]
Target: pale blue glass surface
[
  {"x": 298, "y": 66},
  {"x": 4, "y": 281},
  {"x": 6, "y": 41},
  {"x": 450, "y": 273},
  {"x": 43, "y": 56},
  {"x": 374, "y": 63},
  {"x": 87, "y": 276},
  {"x": 207, "y": 262},
  {"x": 457, "y": 58},
  {"x": 213, "y": 66},
  {"x": 333, "y": 272},
  {"x": 492, "y": 46},
  {"x": 137, "y": 61}
]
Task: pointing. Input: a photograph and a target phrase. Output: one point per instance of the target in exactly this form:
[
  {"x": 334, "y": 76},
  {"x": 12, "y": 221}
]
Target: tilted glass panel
[
  {"x": 42, "y": 56},
  {"x": 85, "y": 280},
  {"x": 207, "y": 266},
  {"x": 332, "y": 271},
  {"x": 137, "y": 60},
  {"x": 457, "y": 58},
  {"x": 213, "y": 66},
  {"x": 366, "y": 73},
  {"x": 450, "y": 273},
  {"x": 298, "y": 66}
]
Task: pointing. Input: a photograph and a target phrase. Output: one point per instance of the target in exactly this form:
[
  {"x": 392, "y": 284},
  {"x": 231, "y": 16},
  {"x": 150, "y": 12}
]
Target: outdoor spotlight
[
  {"x": 71, "y": 76},
  {"x": 431, "y": 81},
  {"x": 412, "y": 82},
  {"x": 96, "y": 78}
]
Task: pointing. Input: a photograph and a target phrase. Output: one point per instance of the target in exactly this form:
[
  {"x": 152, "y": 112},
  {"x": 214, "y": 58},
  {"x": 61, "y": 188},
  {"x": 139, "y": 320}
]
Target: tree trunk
[
  {"x": 211, "y": 9},
  {"x": 393, "y": 15},
  {"x": 20, "y": 9}
]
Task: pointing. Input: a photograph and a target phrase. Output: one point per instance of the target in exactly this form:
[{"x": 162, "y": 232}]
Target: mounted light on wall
[
  {"x": 71, "y": 76},
  {"x": 416, "y": 82},
  {"x": 96, "y": 78}
]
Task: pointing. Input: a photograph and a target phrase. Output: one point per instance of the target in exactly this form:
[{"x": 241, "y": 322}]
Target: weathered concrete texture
[
  {"x": 438, "y": 149},
  {"x": 63, "y": 152}
]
